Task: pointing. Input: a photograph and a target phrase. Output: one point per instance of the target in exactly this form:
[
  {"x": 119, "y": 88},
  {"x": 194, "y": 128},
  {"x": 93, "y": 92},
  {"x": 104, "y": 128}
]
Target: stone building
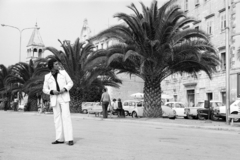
[
  {"x": 35, "y": 47},
  {"x": 211, "y": 17}
]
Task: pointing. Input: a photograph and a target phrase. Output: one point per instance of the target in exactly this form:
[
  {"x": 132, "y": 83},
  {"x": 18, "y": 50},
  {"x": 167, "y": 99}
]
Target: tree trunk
[
  {"x": 76, "y": 101},
  {"x": 152, "y": 98}
]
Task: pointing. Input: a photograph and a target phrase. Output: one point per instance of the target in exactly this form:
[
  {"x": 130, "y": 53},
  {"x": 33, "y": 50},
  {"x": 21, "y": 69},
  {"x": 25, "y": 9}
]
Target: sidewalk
[{"x": 178, "y": 122}]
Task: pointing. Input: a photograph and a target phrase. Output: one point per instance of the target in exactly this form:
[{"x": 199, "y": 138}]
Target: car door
[
  {"x": 179, "y": 108},
  {"x": 167, "y": 111},
  {"x": 126, "y": 106},
  {"x": 132, "y": 106}
]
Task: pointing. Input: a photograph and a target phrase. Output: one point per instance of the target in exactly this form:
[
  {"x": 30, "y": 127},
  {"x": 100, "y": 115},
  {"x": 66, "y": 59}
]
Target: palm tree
[
  {"x": 153, "y": 46},
  {"x": 74, "y": 60},
  {"x": 4, "y": 71},
  {"x": 3, "y": 75},
  {"x": 17, "y": 80}
]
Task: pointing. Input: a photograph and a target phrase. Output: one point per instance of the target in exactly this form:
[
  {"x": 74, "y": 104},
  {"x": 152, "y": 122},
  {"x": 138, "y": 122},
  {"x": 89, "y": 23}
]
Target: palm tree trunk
[
  {"x": 76, "y": 101},
  {"x": 152, "y": 98}
]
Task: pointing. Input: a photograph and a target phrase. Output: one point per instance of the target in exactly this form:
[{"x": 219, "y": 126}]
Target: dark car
[{"x": 209, "y": 113}]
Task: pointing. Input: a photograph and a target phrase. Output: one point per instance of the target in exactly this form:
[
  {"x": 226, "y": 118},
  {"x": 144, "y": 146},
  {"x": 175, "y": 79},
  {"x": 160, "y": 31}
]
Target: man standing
[
  {"x": 57, "y": 84},
  {"x": 105, "y": 99}
]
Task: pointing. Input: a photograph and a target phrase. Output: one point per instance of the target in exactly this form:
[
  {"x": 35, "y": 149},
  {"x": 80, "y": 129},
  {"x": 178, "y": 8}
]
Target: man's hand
[
  {"x": 62, "y": 91},
  {"x": 55, "y": 93}
]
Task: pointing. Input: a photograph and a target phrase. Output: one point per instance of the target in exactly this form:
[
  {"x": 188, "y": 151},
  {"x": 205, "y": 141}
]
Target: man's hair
[{"x": 50, "y": 63}]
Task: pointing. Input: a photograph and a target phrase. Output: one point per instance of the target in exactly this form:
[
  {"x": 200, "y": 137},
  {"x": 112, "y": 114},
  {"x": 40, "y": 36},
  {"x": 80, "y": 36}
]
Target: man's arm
[{"x": 69, "y": 82}]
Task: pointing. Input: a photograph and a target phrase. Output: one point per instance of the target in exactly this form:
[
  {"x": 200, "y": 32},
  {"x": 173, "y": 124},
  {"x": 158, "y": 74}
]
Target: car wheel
[
  {"x": 172, "y": 117},
  {"x": 134, "y": 115},
  {"x": 126, "y": 113},
  {"x": 200, "y": 117},
  {"x": 85, "y": 111},
  {"x": 214, "y": 117},
  {"x": 235, "y": 119}
]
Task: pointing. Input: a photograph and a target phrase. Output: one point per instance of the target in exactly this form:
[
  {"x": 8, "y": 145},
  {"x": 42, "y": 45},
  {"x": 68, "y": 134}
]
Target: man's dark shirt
[{"x": 55, "y": 77}]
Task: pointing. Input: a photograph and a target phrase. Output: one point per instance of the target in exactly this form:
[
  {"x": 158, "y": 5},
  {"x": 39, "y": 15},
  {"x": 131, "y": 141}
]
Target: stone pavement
[{"x": 178, "y": 122}]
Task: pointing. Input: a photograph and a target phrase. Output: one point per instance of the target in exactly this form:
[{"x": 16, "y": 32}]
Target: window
[
  {"x": 223, "y": 60},
  {"x": 186, "y": 5},
  {"x": 223, "y": 21},
  {"x": 169, "y": 105},
  {"x": 209, "y": 96},
  {"x": 210, "y": 26}
]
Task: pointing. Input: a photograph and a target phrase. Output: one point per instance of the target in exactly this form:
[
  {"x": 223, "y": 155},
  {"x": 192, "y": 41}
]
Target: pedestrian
[
  {"x": 105, "y": 99},
  {"x": 120, "y": 109},
  {"x": 57, "y": 84}
]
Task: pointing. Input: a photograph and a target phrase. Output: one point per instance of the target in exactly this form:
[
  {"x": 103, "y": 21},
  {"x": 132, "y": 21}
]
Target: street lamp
[{"x": 20, "y": 31}]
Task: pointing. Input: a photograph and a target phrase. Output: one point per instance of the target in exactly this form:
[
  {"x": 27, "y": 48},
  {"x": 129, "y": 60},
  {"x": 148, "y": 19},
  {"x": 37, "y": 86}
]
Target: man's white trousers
[{"x": 62, "y": 120}]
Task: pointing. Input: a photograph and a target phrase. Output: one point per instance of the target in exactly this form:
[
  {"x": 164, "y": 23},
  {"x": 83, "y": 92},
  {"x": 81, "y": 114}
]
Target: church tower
[
  {"x": 85, "y": 32},
  {"x": 35, "y": 47}
]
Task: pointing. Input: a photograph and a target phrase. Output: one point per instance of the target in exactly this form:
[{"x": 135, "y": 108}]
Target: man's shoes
[
  {"x": 57, "y": 142},
  {"x": 70, "y": 143}
]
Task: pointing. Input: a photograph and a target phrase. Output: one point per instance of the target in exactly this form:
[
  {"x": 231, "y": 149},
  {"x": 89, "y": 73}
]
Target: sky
[{"x": 57, "y": 19}]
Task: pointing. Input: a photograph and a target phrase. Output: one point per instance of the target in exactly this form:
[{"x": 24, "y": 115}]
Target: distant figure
[
  {"x": 120, "y": 110},
  {"x": 191, "y": 104},
  {"x": 114, "y": 105},
  {"x": 105, "y": 99}
]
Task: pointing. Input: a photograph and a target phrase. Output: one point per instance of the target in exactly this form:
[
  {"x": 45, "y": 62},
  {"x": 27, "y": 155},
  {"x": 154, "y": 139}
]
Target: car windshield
[
  {"x": 179, "y": 105},
  {"x": 216, "y": 104}
]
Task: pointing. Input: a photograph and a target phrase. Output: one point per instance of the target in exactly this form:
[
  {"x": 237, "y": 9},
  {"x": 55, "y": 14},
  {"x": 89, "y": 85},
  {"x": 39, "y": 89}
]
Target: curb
[{"x": 220, "y": 128}]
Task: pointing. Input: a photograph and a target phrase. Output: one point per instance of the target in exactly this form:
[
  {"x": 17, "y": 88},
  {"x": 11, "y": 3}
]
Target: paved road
[{"x": 26, "y": 136}]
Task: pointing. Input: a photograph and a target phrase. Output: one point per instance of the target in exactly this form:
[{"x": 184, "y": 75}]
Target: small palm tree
[
  {"x": 4, "y": 93},
  {"x": 74, "y": 60},
  {"x": 153, "y": 46},
  {"x": 18, "y": 78}
]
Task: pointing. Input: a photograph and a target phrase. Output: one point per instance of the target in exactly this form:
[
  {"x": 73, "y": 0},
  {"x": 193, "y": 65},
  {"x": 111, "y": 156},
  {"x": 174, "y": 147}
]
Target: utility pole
[{"x": 227, "y": 61}]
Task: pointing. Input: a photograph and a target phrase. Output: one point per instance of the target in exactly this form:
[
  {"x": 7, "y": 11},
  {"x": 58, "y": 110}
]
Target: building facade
[{"x": 211, "y": 18}]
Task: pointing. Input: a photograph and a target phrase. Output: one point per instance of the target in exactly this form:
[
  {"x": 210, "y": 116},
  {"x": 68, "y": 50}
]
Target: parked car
[
  {"x": 87, "y": 105},
  {"x": 96, "y": 106},
  {"x": 178, "y": 108},
  {"x": 137, "y": 110},
  {"x": 208, "y": 113},
  {"x": 192, "y": 112},
  {"x": 220, "y": 112},
  {"x": 129, "y": 105}
]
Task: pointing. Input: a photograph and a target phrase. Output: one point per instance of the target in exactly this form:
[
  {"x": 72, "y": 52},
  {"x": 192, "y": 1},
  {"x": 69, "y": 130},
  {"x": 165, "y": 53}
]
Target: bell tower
[
  {"x": 35, "y": 47},
  {"x": 85, "y": 32}
]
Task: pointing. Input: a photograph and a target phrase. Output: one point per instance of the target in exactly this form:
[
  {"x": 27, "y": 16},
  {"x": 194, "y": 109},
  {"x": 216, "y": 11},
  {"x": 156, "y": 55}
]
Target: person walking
[
  {"x": 105, "y": 100},
  {"x": 57, "y": 84}
]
